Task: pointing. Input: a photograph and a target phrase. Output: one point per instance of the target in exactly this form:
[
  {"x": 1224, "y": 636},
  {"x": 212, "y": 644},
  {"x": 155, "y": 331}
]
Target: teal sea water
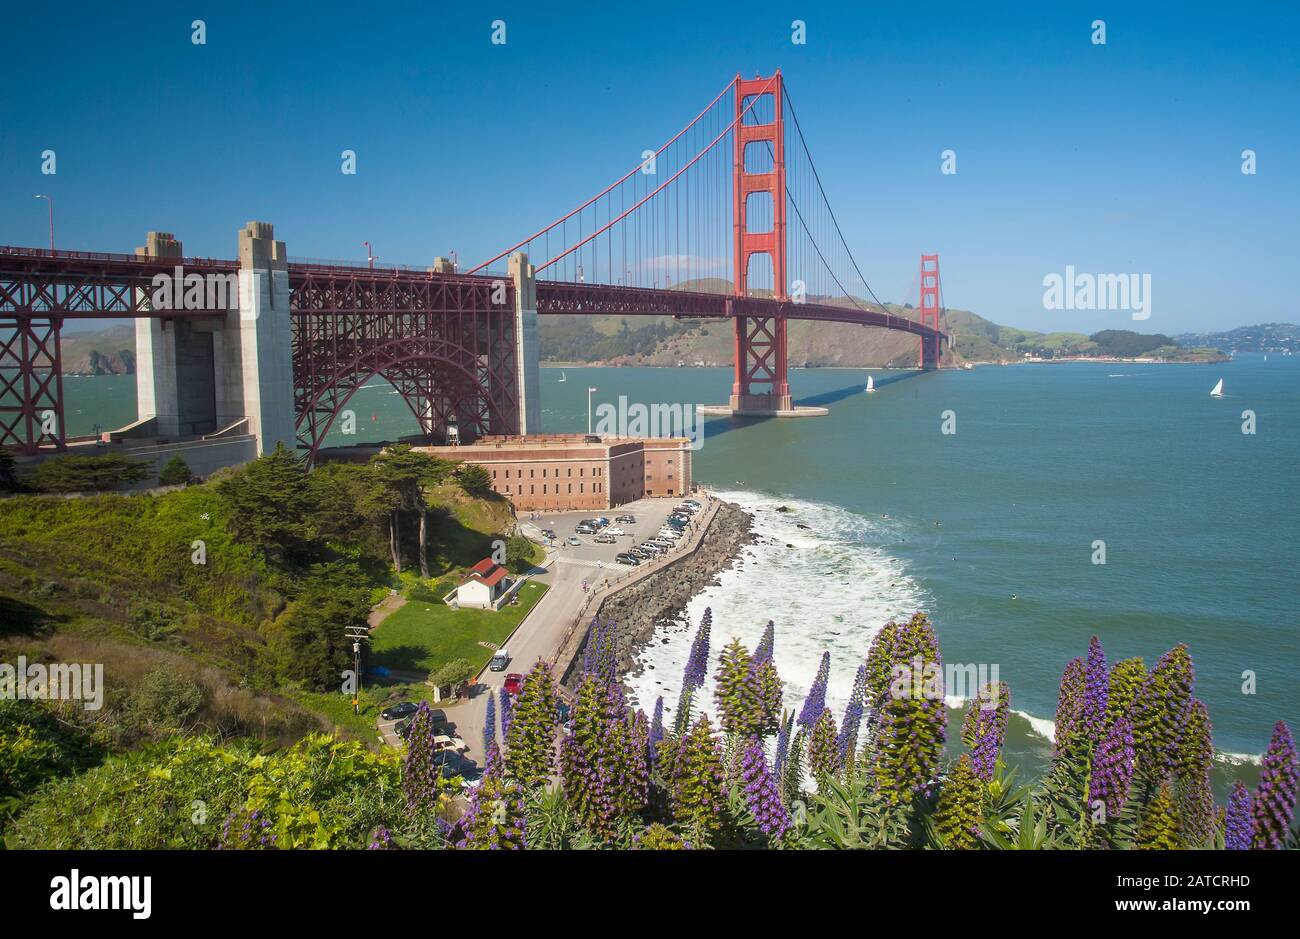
[{"x": 990, "y": 529}]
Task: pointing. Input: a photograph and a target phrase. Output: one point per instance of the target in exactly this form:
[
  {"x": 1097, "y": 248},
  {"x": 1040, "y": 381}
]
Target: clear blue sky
[{"x": 1115, "y": 158}]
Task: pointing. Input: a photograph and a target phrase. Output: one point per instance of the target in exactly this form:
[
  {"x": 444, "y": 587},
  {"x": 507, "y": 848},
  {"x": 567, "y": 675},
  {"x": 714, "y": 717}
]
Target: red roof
[{"x": 488, "y": 571}]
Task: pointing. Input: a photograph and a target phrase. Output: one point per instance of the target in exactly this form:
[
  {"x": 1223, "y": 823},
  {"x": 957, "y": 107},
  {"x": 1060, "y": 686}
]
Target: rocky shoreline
[{"x": 635, "y": 611}]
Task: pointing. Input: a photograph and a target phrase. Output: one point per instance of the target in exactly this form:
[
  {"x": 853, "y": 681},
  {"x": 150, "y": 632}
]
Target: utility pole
[
  {"x": 358, "y": 635},
  {"x": 590, "y": 391},
  {"x": 370, "y": 254}
]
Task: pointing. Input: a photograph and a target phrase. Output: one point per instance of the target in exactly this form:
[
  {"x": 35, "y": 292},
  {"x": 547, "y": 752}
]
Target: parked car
[
  {"x": 450, "y": 763},
  {"x": 601, "y": 522},
  {"x": 573, "y": 541},
  {"x": 672, "y": 534},
  {"x": 626, "y": 519},
  {"x": 500, "y": 660},
  {"x": 687, "y": 508},
  {"x": 652, "y": 548},
  {"x": 692, "y": 502},
  {"x": 400, "y": 710},
  {"x": 605, "y": 539},
  {"x": 614, "y": 531},
  {"x": 661, "y": 543},
  {"x": 629, "y": 559},
  {"x": 440, "y": 725},
  {"x": 585, "y": 529},
  {"x": 448, "y": 742},
  {"x": 514, "y": 683},
  {"x": 676, "y": 522},
  {"x": 547, "y": 533},
  {"x": 639, "y": 553}
]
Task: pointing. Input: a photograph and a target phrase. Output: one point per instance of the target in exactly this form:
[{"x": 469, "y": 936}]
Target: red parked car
[{"x": 514, "y": 683}]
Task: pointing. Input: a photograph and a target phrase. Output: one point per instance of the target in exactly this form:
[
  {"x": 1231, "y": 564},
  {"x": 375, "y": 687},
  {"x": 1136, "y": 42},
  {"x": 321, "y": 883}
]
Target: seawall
[{"x": 636, "y": 607}]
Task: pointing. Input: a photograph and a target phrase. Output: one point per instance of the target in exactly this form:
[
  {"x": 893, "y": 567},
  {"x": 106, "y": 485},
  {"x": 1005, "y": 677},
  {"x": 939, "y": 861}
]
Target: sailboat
[
  {"x": 562, "y": 376},
  {"x": 871, "y": 384},
  {"x": 1218, "y": 390}
]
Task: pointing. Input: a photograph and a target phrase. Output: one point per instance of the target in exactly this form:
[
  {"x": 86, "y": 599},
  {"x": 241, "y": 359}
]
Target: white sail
[
  {"x": 871, "y": 384},
  {"x": 562, "y": 376},
  {"x": 1218, "y": 390}
]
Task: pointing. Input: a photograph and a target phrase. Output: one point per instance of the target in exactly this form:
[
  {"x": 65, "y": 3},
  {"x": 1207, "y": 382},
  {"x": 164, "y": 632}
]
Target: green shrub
[
  {"x": 320, "y": 793},
  {"x": 175, "y": 473},
  {"x": 165, "y": 699},
  {"x": 73, "y": 473}
]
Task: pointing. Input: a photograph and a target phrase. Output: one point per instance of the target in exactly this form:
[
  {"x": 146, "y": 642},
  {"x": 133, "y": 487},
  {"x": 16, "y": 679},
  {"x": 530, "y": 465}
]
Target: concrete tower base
[{"x": 760, "y": 406}]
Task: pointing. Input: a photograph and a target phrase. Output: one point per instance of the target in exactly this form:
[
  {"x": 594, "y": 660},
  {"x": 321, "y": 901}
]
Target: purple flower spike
[
  {"x": 1275, "y": 795},
  {"x": 1237, "y": 819},
  {"x": 815, "y": 703}
]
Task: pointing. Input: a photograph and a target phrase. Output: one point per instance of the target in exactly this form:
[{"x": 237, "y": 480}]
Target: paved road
[{"x": 540, "y": 635}]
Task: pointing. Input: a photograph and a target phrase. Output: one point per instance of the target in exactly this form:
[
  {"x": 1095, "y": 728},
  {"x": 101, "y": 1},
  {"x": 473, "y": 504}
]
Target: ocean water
[{"x": 990, "y": 529}]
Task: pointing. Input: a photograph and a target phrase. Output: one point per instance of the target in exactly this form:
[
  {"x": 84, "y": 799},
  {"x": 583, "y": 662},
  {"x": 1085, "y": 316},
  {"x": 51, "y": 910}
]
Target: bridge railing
[{"x": 11, "y": 251}]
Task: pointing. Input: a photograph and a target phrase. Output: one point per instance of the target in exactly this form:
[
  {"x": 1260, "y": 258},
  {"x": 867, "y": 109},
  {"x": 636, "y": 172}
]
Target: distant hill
[
  {"x": 101, "y": 352},
  {"x": 663, "y": 340},
  {"x": 1264, "y": 337}
]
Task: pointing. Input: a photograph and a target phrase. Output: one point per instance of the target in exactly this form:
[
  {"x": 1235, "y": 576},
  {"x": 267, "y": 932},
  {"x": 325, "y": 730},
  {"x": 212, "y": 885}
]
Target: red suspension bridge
[{"x": 728, "y": 219}]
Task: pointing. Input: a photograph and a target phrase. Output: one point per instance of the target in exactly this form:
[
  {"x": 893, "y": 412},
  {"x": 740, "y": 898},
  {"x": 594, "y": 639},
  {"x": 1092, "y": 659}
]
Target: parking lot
[{"x": 650, "y": 515}]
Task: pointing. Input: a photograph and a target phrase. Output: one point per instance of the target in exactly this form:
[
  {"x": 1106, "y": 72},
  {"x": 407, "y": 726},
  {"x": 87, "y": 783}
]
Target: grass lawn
[
  {"x": 424, "y": 635},
  {"x": 337, "y": 707}
]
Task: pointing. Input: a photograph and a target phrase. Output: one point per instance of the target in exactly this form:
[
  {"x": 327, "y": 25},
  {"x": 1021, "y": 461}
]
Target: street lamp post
[
  {"x": 370, "y": 254},
  {"x": 590, "y": 391},
  {"x": 50, "y": 200}
]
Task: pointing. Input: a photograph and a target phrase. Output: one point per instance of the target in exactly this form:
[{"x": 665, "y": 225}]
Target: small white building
[{"x": 483, "y": 588}]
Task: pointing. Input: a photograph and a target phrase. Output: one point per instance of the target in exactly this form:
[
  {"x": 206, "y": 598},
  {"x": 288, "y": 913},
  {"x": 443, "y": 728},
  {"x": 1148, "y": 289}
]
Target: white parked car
[
  {"x": 672, "y": 534},
  {"x": 614, "y": 531}
]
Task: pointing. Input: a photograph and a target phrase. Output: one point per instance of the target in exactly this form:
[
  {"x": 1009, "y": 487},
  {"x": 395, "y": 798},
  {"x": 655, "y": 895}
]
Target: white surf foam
[{"x": 828, "y": 587}]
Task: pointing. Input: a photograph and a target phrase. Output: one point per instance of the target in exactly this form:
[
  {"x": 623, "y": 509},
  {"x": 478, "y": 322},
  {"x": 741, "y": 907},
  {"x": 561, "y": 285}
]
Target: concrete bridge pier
[
  {"x": 225, "y": 357},
  {"x": 264, "y": 391},
  {"x": 527, "y": 345},
  {"x": 175, "y": 375}
]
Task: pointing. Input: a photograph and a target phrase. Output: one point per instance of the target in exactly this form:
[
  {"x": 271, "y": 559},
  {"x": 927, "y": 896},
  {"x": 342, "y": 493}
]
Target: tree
[
  {"x": 73, "y": 473},
  {"x": 270, "y": 506},
  {"x": 519, "y": 554},
  {"x": 8, "y": 473},
  {"x": 453, "y": 674},
  {"x": 474, "y": 479},
  {"x": 175, "y": 473},
  {"x": 406, "y": 474},
  {"x": 351, "y": 501},
  {"x": 334, "y": 599},
  {"x": 166, "y": 700}
]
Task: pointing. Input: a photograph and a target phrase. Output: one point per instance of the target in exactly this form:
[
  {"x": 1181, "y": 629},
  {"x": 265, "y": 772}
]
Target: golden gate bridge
[{"x": 728, "y": 219}]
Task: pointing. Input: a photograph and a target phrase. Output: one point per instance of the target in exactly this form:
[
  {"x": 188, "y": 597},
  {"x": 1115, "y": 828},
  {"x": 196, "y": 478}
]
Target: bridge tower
[
  {"x": 931, "y": 347},
  {"x": 761, "y": 385}
]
